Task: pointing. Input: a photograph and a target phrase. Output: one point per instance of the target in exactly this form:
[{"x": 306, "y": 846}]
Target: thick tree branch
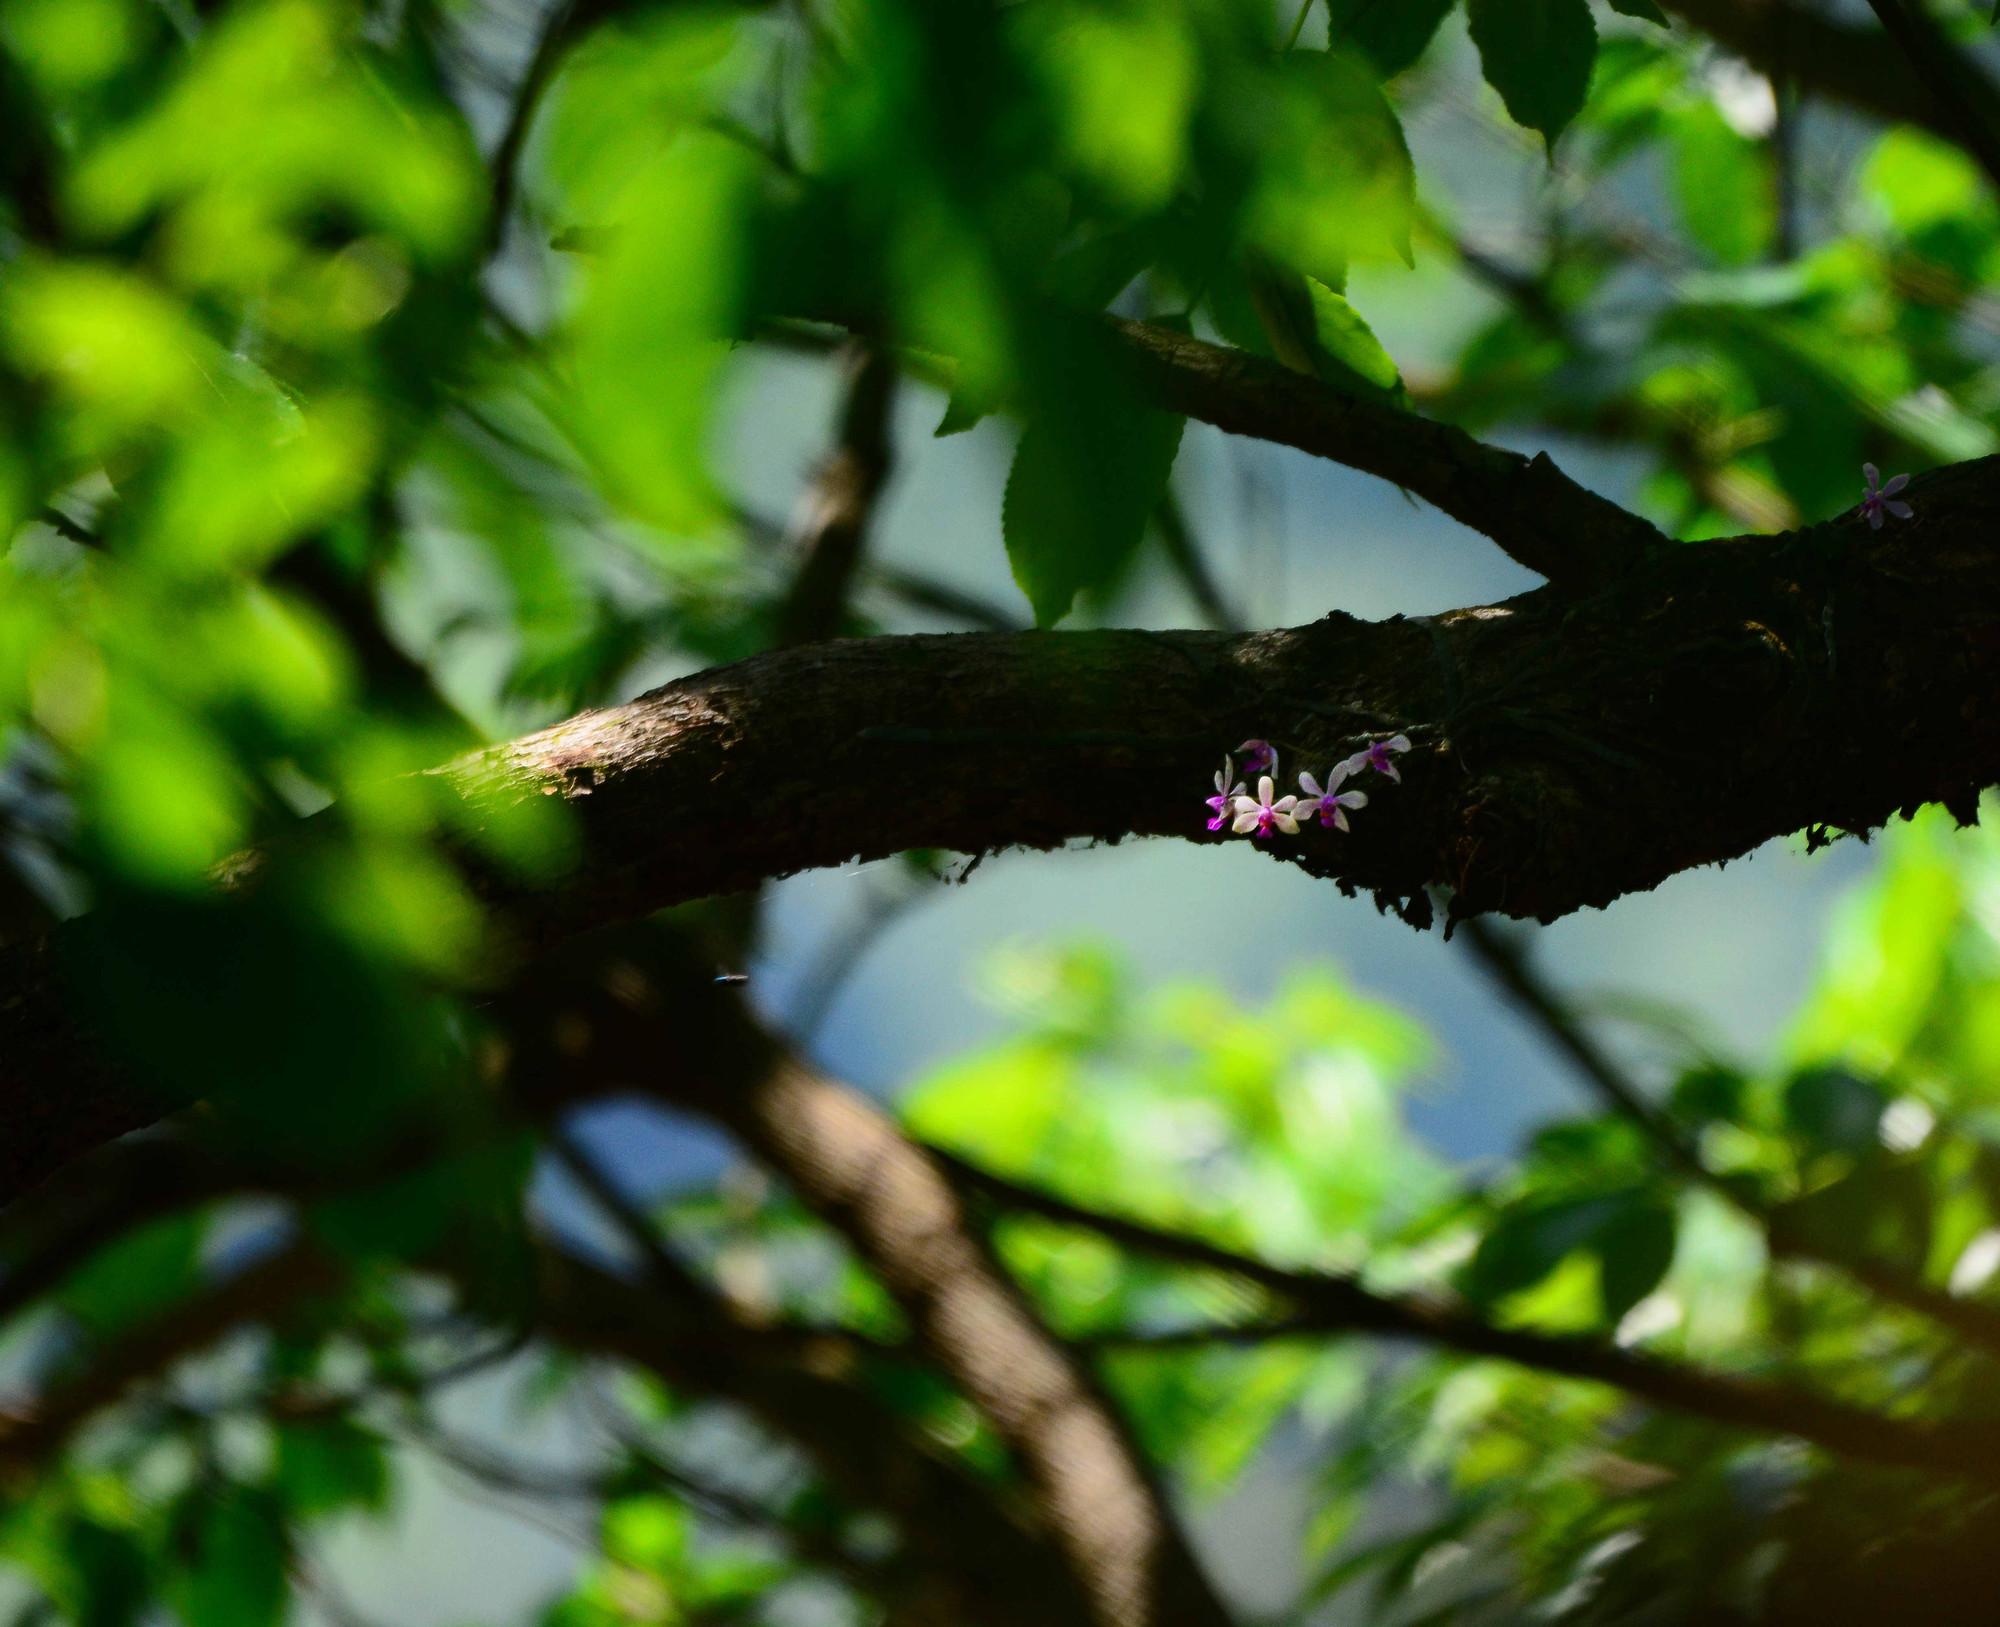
[
  {"x": 1568, "y": 751},
  {"x": 1960, "y": 90},
  {"x": 637, "y": 1009},
  {"x": 851, "y": 1164},
  {"x": 1854, "y": 65}
]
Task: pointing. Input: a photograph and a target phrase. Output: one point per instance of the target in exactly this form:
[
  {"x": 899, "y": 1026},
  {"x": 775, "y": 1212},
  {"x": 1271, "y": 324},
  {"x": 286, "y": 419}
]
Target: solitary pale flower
[
  {"x": 1377, "y": 758},
  {"x": 1879, "y": 498},
  {"x": 1259, "y": 757},
  {"x": 1329, "y": 801},
  {"x": 1259, "y": 816},
  {"x": 1223, "y": 802}
]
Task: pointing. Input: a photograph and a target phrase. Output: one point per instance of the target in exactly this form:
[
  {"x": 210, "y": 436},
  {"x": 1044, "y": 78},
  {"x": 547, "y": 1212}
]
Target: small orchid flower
[
  {"x": 1259, "y": 757},
  {"x": 1377, "y": 758},
  {"x": 1223, "y": 803},
  {"x": 1879, "y": 498},
  {"x": 1259, "y": 816},
  {"x": 1329, "y": 801}
]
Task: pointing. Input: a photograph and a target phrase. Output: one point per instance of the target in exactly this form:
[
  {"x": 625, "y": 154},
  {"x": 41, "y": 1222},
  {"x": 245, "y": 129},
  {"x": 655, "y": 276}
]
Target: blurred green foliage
[{"x": 369, "y": 386}]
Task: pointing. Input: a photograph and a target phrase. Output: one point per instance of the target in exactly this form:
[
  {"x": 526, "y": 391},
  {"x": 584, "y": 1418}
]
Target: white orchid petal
[
  {"x": 1873, "y": 474},
  {"x": 1900, "y": 509},
  {"x": 1288, "y": 824},
  {"x": 1264, "y": 789},
  {"x": 1245, "y": 823},
  {"x": 1310, "y": 786},
  {"x": 1397, "y": 742},
  {"x": 1285, "y": 803},
  {"x": 1894, "y": 484}
]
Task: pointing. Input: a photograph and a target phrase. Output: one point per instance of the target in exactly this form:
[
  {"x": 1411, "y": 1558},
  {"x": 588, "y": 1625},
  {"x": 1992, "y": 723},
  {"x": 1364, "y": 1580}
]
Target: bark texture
[{"x": 1570, "y": 747}]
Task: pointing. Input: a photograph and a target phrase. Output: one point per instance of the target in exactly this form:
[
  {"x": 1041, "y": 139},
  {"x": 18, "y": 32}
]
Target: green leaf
[
  {"x": 1723, "y": 185},
  {"x": 1336, "y": 182},
  {"x": 1344, "y": 339},
  {"x": 962, "y": 410},
  {"x": 137, "y": 1276},
  {"x": 1883, "y": 1211},
  {"x": 1528, "y": 1242},
  {"x": 1537, "y": 54},
  {"x": 1629, "y": 1232},
  {"x": 1644, "y": 10},
  {"x": 1391, "y": 34},
  {"x": 330, "y": 1464},
  {"x": 1836, "y": 1110},
  {"x": 1634, "y": 1248},
  {"x": 235, "y": 1558},
  {"x": 1708, "y": 1093},
  {"x": 1078, "y": 499}
]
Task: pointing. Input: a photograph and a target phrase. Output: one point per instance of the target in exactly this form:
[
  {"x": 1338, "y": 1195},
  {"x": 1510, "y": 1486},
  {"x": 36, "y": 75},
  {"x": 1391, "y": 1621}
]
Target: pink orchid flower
[
  {"x": 1879, "y": 498},
  {"x": 1259, "y": 757},
  {"x": 1259, "y": 816},
  {"x": 1377, "y": 758},
  {"x": 1329, "y": 801},
  {"x": 1223, "y": 803}
]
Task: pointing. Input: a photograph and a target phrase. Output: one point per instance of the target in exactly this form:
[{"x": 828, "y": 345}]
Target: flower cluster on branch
[{"x": 1267, "y": 814}]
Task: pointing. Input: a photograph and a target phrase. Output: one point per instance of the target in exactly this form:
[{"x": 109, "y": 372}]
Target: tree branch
[
  {"x": 1567, "y": 752},
  {"x": 1976, "y": 1323},
  {"x": 1837, "y": 60},
  {"x": 1341, "y": 1304},
  {"x": 970, "y": 1561},
  {"x": 849, "y": 1162},
  {"x": 30, "y": 1438},
  {"x": 830, "y": 529},
  {"x": 1535, "y": 512},
  {"x": 1963, "y": 94},
  {"x": 633, "y": 996}
]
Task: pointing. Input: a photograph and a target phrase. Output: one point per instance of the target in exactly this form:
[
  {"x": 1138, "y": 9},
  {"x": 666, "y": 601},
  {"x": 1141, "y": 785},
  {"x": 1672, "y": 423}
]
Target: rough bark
[{"x": 1568, "y": 749}]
